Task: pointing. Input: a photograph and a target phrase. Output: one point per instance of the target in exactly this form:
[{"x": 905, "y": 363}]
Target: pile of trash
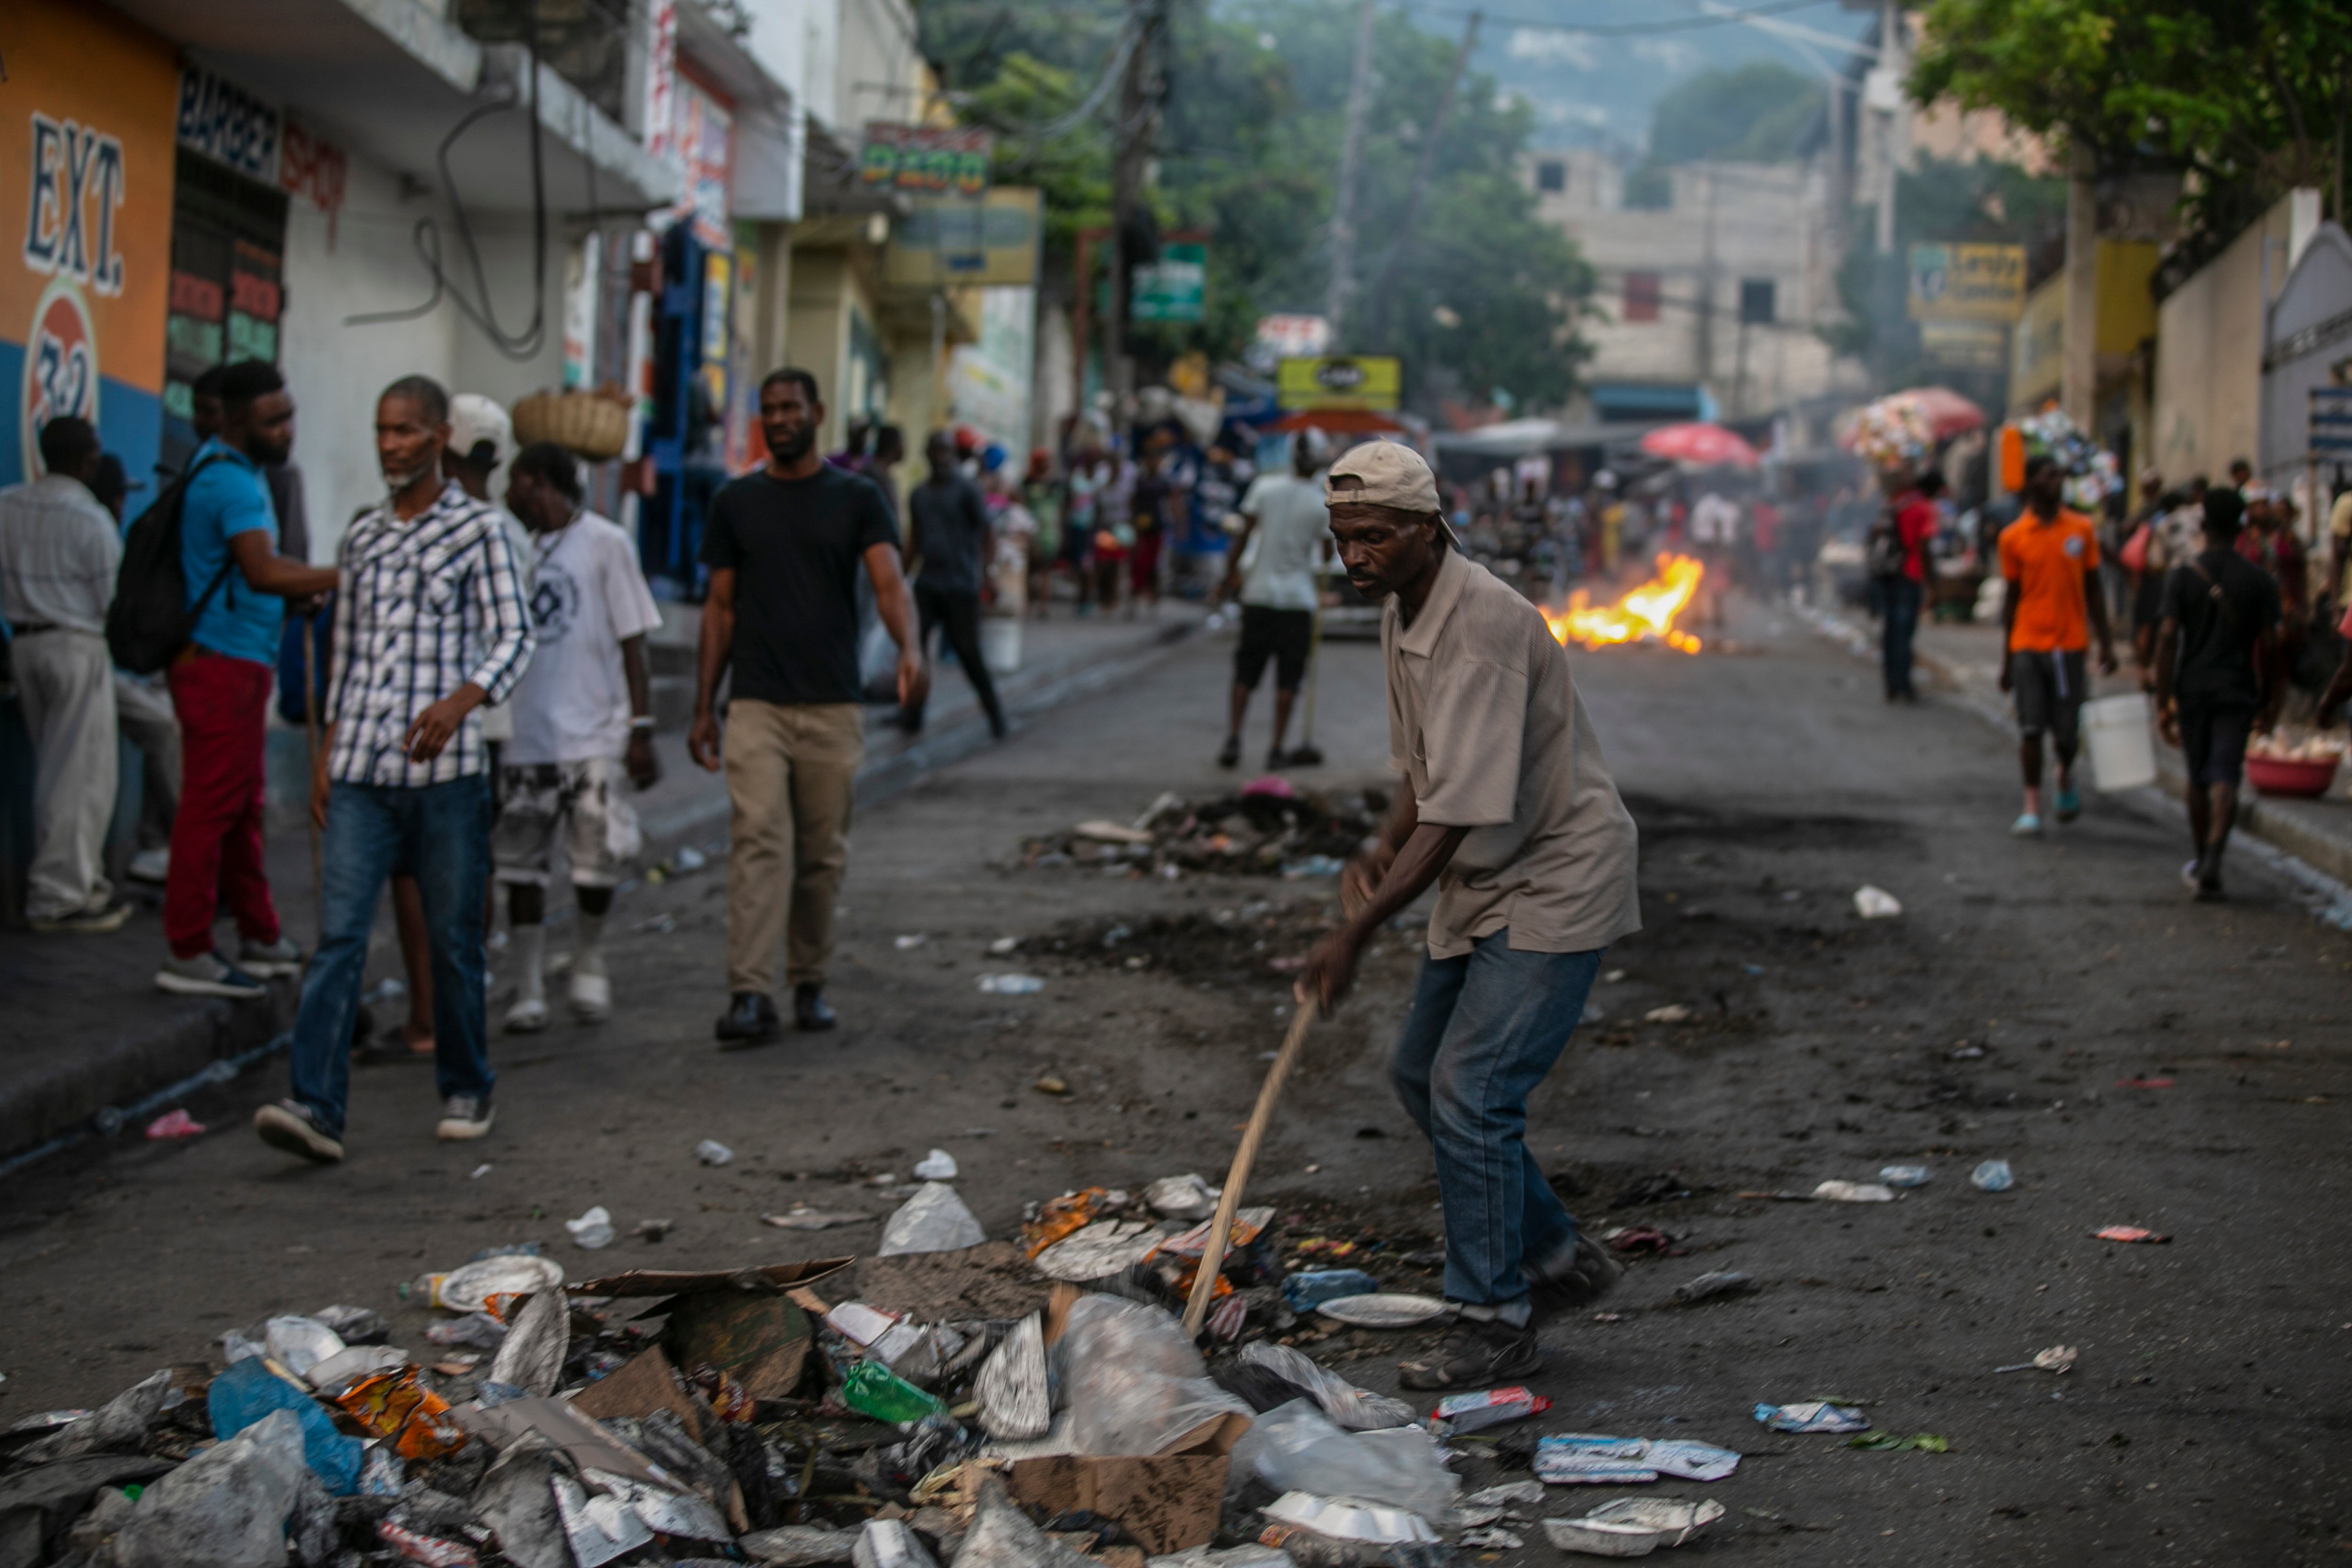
[
  {"x": 1271, "y": 828},
  {"x": 771, "y": 1414}
]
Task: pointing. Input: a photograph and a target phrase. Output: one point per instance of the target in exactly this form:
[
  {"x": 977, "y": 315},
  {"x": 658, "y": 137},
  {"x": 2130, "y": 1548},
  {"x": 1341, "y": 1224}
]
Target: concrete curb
[
  {"x": 98, "y": 1094},
  {"x": 2287, "y": 836}
]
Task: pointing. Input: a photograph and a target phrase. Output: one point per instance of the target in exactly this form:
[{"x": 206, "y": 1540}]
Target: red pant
[
  {"x": 1143, "y": 565},
  {"x": 222, "y": 703}
]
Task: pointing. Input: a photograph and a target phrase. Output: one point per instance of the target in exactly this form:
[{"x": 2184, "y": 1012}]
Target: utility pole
[
  {"x": 2078, "y": 363},
  {"x": 1142, "y": 89},
  {"x": 1343, "y": 206},
  {"x": 1422, "y": 172}
]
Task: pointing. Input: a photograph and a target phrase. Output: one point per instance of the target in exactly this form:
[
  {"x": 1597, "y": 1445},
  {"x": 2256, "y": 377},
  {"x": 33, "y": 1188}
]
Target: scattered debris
[
  {"x": 1575, "y": 1458},
  {"x": 2057, "y": 1358},
  {"x": 1187, "y": 1197},
  {"x": 1672, "y": 1012},
  {"x": 1386, "y": 1310},
  {"x": 1261, "y": 831},
  {"x": 801, "y": 1217},
  {"x": 1889, "y": 1442},
  {"x": 910, "y": 941},
  {"x": 938, "y": 1165},
  {"x": 933, "y": 1220},
  {"x": 1461, "y": 1413},
  {"x": 1632, "y": 1527},
  {"x": 711, "y": 1151},
  {"x": 1992, "y": 1176},
  {"x": 175, "y": 1124},
  {"x": 1011, "y": 985},
  {"x": 2130, "y": 1233},
  {"x": 1904, "y": 1175},
  {"x": 592, "y": 1230},
  {"x": 1642, "y": 1239},
  {"x": 1714, "y": 1286},
  {"x": 1876, "y": 903},
  {"x": 1811, "y": 1415},
  {"x": 1304, "y": 1292},
  {"x": 1854, "y": 1193}
]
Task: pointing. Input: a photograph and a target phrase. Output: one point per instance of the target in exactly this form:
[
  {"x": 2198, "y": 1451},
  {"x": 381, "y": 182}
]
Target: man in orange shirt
[{"x": 2050, "y": 558}]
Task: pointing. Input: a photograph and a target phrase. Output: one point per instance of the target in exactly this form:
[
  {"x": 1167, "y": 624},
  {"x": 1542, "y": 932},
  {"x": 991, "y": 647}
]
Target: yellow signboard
[
  {"x": 1966, "y": 282},
  {"x": 955, "y": 239},
  {"x": 1340, "y": 380}
]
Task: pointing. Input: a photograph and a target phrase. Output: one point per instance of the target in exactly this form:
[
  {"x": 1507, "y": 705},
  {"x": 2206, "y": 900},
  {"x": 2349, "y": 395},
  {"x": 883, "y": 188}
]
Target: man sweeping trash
[{"x": 1505, "y": 803}]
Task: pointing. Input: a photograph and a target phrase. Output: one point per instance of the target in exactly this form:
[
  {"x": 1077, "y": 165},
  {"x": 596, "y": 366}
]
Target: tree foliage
[
  {"x": 1249, "y": 151},
  {"x": 2248, "y": 98},
  {"x": 1754, "y": 113}
]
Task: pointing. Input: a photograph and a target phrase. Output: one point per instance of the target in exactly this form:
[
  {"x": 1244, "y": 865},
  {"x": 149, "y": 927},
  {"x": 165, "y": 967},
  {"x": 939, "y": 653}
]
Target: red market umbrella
[
  {"x": 1705, "y": 445},
  {"x": 1947, "y": 412},
  {"x": 1338, "y": 421}
]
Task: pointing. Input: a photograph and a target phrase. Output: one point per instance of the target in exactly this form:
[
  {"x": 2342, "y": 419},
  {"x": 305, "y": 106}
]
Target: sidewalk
[
  {"x": 90, "y": 1036},
  {"x": 1964, "y": 659}
]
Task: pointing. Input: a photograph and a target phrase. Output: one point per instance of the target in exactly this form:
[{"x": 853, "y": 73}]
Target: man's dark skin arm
[
  {"x": 711, "y": 655},
  {"x": 1376, "y": 886},
  {"x": 2094, "y": 599},
  {"x": 267, "y": 572},
  {"x": 645, "y": 768}
]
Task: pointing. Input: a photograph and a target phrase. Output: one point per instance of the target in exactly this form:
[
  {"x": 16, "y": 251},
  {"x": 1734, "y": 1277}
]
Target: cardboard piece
[
  {"x": 763, "y": 1341},
  {"x": 646, "y": 1384},
  {"x": 585, "y": 1443},
  {"x": 773, "y": 1278},
  {"x": 1167, "y": 1502}
]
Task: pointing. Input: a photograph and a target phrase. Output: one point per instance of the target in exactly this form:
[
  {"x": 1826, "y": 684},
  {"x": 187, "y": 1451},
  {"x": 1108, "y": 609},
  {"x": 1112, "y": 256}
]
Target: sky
[{"x": 1591, "y": 88}]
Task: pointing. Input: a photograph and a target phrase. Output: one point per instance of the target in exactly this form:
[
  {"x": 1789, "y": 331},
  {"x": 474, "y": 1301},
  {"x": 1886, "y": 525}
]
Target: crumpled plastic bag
[
  {"x": 888, "y": 1543},
  {"x": 933, "y": 1220},
  {"x": 1356, "y": 1409},
  {"x": 1002, "y": 1536},
  {"x": 1297, "y": 1448},
  {"x": 531, "y": 1356},
  {"x": 248, "y": 1393},
  {"x": 1014, "y": 1397},
  {"x": 1132, "y": 1382},
  {"x": 227, "y": 1508}
]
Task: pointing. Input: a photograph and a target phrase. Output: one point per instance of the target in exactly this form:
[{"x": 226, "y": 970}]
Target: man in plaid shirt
[{"x": 429, "y": 625}]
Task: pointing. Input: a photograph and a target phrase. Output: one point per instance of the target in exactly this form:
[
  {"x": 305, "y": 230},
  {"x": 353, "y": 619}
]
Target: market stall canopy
[{"x": 1709, "y": 446}]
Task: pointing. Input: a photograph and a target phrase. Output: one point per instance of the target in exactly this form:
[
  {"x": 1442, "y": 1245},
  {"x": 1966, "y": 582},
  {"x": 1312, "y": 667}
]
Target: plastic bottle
[
  {"x": 1993, "y": 1176},
  {"x": 872, "y": 1389},
  {"x": 1304, "y": 1292}
]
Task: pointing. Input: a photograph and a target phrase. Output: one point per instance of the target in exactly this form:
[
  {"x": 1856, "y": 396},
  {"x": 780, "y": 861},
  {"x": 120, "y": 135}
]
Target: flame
[{"x": 1645, "y": 613}]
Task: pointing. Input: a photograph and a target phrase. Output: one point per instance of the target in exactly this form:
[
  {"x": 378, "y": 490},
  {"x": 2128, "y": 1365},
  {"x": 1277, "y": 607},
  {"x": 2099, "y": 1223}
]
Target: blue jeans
[
  {"x": 441, "y": 833},
  {"x": 1900, "y": 599},
  {"x": 1485, "y": 1029}
]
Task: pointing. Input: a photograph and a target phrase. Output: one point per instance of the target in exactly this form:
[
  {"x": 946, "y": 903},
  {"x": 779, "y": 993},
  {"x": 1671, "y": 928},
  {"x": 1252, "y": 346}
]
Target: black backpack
[{"x": 151, "y": 619}]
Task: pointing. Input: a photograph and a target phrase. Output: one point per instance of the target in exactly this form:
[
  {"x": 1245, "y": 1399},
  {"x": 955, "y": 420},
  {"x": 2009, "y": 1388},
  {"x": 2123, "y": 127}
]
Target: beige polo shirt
[{"x": 1485, "y": 722}]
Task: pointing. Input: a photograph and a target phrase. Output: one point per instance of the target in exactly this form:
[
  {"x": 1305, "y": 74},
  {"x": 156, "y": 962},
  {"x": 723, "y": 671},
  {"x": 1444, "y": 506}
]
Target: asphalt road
[{"x": 2204, "y": 1422}]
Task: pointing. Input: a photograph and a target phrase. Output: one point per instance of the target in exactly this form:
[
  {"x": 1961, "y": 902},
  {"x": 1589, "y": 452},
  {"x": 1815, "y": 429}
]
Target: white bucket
[
  {"x": 2123, "y": 754},
  {"x": 1000, "y": 643}
]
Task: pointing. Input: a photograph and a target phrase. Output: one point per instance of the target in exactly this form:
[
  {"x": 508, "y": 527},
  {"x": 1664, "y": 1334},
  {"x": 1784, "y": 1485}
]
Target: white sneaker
[
  {"x": 526, "y": 1016},
  {"x": 269, "y": 959},
  {"x": 151, "y": 865},
  {"x": 207, "y": 975},
  {"x": 591, "y": 997}
]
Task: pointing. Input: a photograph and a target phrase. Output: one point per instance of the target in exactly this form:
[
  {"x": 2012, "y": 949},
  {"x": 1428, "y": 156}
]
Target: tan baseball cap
[{"x": 1392, "y": 474}]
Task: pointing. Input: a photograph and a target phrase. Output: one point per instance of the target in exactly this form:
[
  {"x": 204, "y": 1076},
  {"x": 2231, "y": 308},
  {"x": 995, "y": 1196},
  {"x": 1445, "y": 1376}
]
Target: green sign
[{"x": 1175, "y": 288}]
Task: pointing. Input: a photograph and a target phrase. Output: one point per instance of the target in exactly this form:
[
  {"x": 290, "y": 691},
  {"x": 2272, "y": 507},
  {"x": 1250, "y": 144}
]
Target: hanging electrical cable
[{"x": 426, "y": 237}]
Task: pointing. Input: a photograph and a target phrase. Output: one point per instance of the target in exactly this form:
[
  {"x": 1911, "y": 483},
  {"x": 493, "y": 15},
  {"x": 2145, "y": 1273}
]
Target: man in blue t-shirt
[{"x": 237, "y": 583}]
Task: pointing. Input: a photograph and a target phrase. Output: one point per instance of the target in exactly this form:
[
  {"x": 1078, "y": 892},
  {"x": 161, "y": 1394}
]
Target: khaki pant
[
  {"x": 66, "y": 682},
  {"x": 791, "y": 769}
]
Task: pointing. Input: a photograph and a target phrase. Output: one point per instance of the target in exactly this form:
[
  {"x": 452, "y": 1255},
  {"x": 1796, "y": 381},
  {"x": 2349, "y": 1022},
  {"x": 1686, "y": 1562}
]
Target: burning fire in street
[{"x": 1645, "y": 613}]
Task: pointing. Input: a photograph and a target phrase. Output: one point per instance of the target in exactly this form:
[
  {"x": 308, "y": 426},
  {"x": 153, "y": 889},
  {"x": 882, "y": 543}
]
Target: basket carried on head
[{"x": 591, "y": 425}]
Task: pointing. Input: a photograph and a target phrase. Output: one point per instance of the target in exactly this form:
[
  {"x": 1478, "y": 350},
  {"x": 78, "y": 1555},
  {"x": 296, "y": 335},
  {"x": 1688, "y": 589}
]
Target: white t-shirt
[
  {"x": 586, "y": 597},
  {"x": 1278, "y": 567},
  {"x": 498, "y": 717}
]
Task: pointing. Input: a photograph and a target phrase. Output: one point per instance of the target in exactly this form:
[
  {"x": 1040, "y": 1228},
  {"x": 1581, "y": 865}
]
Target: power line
[{"x": 1629, "y": 29}]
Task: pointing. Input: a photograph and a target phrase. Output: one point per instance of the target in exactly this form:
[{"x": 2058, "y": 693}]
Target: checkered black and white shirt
[{"x": 425, "y": 607}]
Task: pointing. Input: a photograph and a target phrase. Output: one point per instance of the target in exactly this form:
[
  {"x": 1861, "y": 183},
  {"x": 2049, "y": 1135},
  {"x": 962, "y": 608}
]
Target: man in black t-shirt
[
  {"x": 2214, "y": 682},
  {"x": 951, "y": 518},
  {"x": 783, "y": 547}
]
